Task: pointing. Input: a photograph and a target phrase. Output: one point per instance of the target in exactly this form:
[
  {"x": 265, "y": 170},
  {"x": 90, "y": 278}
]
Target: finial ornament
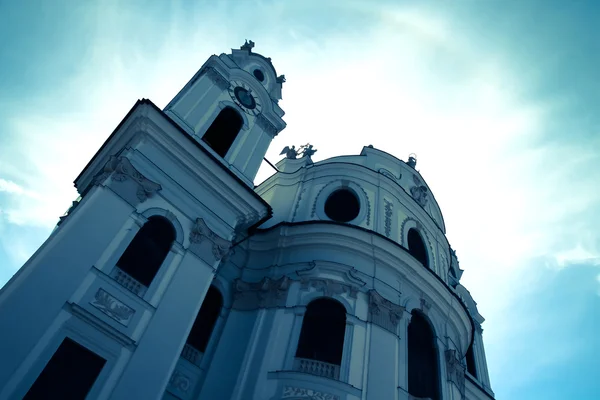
[
  {"x": 248, "y": 45},
  {"x": 280, "y": 79},
  {"x": 291, "y": 153}
]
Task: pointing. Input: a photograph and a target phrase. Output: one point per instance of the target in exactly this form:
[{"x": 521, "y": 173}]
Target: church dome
[{"x": 374, "y": 191}]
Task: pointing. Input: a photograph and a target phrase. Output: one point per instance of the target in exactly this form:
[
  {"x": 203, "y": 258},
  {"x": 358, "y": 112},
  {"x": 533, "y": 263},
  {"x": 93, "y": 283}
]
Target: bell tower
[{"x": 230, "y": 106}]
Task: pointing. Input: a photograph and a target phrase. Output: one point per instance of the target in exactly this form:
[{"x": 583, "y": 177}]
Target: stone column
[
  {"x": 403, "y": 357},
  {"x": 385, "y": 317}
]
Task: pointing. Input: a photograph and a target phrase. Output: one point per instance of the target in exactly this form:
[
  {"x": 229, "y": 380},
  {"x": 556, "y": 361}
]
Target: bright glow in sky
[{"x": 498, "y": 99}]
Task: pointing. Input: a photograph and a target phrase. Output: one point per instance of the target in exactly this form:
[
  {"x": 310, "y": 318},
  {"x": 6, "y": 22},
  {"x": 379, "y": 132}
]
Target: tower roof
[{"x": 260, "y": 67}]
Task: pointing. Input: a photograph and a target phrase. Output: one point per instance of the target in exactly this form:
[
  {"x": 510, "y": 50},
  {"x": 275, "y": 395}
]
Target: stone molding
[
  {"x": 113, "y": 307},
  {"x": 383, "y": 312},
  {"x": 291, "y": 392},
  {"x": 122, "y": 172},
  {"x": 206, "y": 244},
  {"x": 217, "y": 78},
  {"x": 266, "y": 293},
  {"x": 298, "y": 203},
  {"x": 455, "y": 371},
  {"x": 266, "y": 125}
]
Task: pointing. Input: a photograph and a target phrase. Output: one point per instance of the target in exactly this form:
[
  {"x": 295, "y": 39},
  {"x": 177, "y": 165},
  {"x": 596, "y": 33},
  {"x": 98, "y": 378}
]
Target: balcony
[
  {"x": 318, "y": 368},
  {"x": 191, "y": 354},
  {"x": 128, "y": 282}
]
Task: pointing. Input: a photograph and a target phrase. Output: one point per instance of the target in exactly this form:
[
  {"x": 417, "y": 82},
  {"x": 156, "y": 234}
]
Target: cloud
[{"x": 403, "y": 78}]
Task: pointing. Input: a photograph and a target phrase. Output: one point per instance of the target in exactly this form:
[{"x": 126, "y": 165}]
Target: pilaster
[{"x": 147, "y": 374}]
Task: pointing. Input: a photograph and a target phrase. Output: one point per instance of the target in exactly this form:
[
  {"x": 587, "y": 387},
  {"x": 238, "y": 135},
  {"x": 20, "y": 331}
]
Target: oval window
[
  {"x": 258, "y": 74},
  {"x": 342, "y": 206}
]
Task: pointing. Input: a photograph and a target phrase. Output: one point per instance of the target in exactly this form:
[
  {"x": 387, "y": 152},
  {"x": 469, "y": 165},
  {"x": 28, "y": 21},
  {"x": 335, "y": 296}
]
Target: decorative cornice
[
  {"x": 122, "y": 171},
  {"x": 389, "y": 210},
  {"x": 216, "y": 78},
  {"x": 455, "y": 371},
  {"x": 329, "y": 287},
  {"x": 206, "y": 244},
  {"x": 266, "y": 125},
  {"x": 267, "y": 293},
  {"x": 291, "y": 392},
  {"x": 383, "y": 312}
]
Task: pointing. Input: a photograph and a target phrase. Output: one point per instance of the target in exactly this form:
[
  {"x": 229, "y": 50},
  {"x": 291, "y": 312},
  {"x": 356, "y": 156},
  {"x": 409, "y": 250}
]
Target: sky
[{"x": 498, "y": 98}]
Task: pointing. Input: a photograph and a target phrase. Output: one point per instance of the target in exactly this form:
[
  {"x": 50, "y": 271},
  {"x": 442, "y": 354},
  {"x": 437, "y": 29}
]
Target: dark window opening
[
  {"x": 70, "y": 373},
  {"x": 206, "y": 320},
  {"x": 223, "y": 131},
  {"x": 148, "y": 249},
  {"x": 471, "y": 361},
  {"x": 323, "y": 329},
  {"x": 258, "y": 74},
  {"x": 342, "y": 206},
  {"x": 416, "y": 247},
  {"x": 422, "y": 359}
]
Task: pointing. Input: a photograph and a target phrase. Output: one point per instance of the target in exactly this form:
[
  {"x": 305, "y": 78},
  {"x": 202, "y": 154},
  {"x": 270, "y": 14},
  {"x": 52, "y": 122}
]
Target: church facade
[{"x": 174, "y": 277}]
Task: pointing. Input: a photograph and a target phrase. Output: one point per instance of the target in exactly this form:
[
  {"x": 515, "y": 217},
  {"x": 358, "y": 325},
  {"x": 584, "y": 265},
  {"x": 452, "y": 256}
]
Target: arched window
[
  {"x": 423, "y": 380},
  {"x": 206, "y": 320},
  {"x": 323, "y": 329},
  {"x": 471, "y": 361},
  {"x": 416, "y": 247},
  {"x": 148, "y": 249},
  {"x": 223, "y": 131}
]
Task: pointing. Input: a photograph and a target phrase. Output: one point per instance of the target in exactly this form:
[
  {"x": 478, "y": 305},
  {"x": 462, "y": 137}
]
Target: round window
[
  {"x": 258, "y": 74},
  {"x": 342, "y": 206}
]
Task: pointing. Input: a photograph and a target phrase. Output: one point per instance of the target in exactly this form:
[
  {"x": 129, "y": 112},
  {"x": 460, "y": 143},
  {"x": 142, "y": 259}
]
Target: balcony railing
[
  {"x": 128, "y": 282},
  {"x": 318, "y": 368},
  {"x": 191, "y": 354}
]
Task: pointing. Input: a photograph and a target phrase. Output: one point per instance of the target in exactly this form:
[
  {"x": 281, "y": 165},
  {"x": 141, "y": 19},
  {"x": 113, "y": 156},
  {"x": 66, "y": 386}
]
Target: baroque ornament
[
  {"x": 266, "y": 293},
  {"x": 389, "y": 206},
  {"x": 419, "y": 192},
  {"x": 383, "y": 312},
  {"x": 455, "y": 371},
  {"x": 112, "y": 307},
  {"x": 121, "y": 170},
  {"x": 329, "y": 287},
  {"x": 388, "y": 174},
  {"x": 290, "y": 392},
  {"x": 202, "y": 235},
  {"x": 180, "y": 382},
  {"x": 425, "y": 305}
]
